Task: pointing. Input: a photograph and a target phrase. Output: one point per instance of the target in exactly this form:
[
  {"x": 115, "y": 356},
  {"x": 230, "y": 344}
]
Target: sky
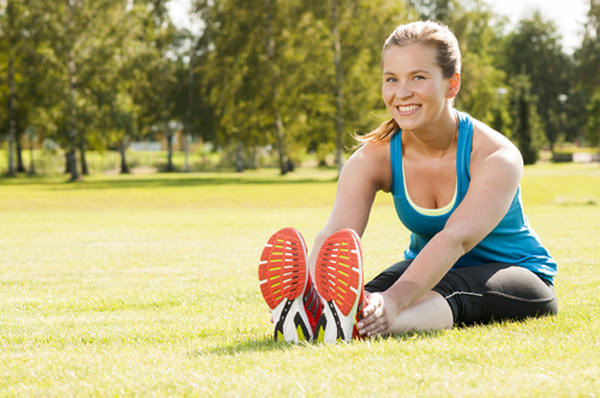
[{"x": 568, "y": 15}]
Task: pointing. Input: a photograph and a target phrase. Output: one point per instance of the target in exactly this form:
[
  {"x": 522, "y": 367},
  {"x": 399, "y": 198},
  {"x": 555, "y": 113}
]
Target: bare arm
[{"x": 362, "y": 176}]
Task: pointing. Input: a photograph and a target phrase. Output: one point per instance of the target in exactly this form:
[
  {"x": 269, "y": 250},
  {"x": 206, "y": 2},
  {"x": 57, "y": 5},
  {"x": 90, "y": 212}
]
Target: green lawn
[{"x": 147, "y": 286}]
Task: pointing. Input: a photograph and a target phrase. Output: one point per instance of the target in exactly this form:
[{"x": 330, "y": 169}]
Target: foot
[
  {"x": 339, "y": 281},
  {"x": 283, "y": 278}
]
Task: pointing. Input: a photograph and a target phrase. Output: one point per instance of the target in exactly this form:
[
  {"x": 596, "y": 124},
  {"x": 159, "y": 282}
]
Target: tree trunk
[
  {"x": 122, "y": 151},
  {"x": 188, "y": 140},
  {"x": 170, "y": 152},
  {"x": 339, "y": 88},
  {"x": 82, "y": 157},
  {"x": 189, "y": 115},
  {"x": 72, "y": 158},
  {"x": 72, "y": 133},
  {"x": 11, "y": 113},
  {"x": 283, "y": 158},
  {"x": 279, "y": 131},
  {"x": 239, "y": 158},
  {"x": 19, "y": 148},
  {"x": 31, "y": 162}
]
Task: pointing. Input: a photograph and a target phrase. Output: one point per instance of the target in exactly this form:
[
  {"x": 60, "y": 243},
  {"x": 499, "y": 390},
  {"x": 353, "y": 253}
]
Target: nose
[{"x": 403, "y": 91}]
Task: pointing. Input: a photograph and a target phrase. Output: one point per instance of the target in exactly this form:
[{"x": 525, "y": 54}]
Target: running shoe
[
  {"x": 339, "y": 282},
  {"x": 283, "y": 279}
]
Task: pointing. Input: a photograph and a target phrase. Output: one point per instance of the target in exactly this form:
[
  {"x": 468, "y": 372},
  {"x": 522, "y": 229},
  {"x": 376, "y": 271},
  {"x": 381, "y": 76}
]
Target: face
[{"x": 414, "y": 88}]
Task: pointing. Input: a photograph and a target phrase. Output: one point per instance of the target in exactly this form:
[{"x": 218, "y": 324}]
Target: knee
[{"x": 519, "y": 283}]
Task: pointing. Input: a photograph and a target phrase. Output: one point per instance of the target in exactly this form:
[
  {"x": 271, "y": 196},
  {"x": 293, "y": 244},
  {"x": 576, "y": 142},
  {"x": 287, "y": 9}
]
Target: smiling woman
[{"x": 472, "y": 255}]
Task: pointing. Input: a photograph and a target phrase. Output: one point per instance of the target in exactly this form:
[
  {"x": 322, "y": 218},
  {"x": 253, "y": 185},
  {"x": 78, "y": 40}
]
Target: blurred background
[{"x": 120, "y": 86}]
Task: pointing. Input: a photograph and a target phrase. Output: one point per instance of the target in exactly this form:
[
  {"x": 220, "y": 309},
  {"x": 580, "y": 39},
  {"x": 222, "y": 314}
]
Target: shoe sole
[
  {"x": 339, "y": 282},
  {"x": 282, "y": 278}
]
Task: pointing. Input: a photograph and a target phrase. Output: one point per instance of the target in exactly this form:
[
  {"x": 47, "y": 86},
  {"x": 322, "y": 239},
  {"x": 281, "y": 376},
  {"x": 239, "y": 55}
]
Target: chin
[{"x": 407, "y": 124}]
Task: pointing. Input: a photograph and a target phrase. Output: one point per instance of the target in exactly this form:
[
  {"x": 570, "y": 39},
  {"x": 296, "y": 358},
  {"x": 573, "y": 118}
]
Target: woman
[{"x": 472, "y": 257}]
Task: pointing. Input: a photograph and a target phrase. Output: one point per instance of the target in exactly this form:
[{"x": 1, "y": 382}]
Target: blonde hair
[{"x": 421, "y": 32}]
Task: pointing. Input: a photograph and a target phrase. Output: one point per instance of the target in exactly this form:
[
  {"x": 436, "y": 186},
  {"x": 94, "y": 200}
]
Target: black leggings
[{"x": 484, "y": 293}]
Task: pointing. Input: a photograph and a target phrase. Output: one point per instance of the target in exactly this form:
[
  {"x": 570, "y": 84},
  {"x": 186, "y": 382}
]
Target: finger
[
  {"x": 368, "y": 319},
  {"x": 369, "y": 309},
  {"x": 377, "y": 328},
  {"x": 382, "y": 330},
  {"x": 372, "y": 304},
  {"x": 375, "y": 321},
  {"x": 370, "y": 323}
]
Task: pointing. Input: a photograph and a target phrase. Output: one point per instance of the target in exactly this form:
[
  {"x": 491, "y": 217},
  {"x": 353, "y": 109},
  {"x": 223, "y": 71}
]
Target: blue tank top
[{"x": 513, "y": 241}]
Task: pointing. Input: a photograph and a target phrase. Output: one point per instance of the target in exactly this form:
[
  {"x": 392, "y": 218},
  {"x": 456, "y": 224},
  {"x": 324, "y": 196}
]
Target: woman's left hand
[{"x": 377, "y": 316}]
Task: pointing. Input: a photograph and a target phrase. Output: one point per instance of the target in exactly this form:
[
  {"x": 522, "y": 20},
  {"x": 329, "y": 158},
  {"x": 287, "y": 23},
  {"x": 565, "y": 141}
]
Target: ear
[{"x": 454, "y": 86}]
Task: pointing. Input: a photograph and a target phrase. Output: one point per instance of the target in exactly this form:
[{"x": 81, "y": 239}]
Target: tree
[
  {"x": 438, "y": 10},
  {"x": 479, "y": 36},
  {"x": 241, "y": 72},
  {"x": 588, "y": 55},
  {"x": 339, "y": 86},
  {"x": 586, "y": 74},
  {"x": 527, "y": 127},
  {"x": 273, "y": 75},
  {"x": 82, "y": 36},
  {"x": 534, "y": 49},
  {"x": 355, "y": 96},
  {"x": 154, "y": 83},
  {"x": 11, "y": 33},
  {"x": 593, "y": 123},
  {"x": 20, "y": 43},
  {"x": 270, "y": 9}
]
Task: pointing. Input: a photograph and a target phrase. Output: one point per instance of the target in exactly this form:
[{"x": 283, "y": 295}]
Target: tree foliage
[
  {"x": 593, "y": 123},
  {"x": 286, "y": 76},
  {"x": 534, "y": 49},
  {"x": 527, "y": 127}
]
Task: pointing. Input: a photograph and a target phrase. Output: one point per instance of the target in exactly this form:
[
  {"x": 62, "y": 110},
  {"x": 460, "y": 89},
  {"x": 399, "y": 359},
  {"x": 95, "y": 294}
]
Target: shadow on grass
[
  {"x": 194, "y": 181},
  {"x": 158, "y": 181},
  {"x": 415, "y": 335},
  {"x": 268, "y": 344},
  {"x": 262, "y": 345}
]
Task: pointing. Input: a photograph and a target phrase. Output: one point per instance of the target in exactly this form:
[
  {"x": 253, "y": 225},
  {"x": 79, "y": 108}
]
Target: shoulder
[
  {"x": 492, "y": 149},
  {"x": 371, "y": 162}
]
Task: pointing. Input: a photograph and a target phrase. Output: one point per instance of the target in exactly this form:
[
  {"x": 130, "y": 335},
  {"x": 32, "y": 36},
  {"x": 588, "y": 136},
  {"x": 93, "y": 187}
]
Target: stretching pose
[{"x": 472, "y": 255}]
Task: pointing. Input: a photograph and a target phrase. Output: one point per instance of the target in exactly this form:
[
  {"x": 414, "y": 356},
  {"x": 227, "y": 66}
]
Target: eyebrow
[{"x": 410, "y": 73}]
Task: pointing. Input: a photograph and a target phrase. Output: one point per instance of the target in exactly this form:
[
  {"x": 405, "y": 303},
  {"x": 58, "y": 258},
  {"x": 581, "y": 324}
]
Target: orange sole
[{"x": 282, "y": 270}]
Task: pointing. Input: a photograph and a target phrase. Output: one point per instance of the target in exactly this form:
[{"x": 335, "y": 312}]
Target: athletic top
[{"x": 513, "y": 241}]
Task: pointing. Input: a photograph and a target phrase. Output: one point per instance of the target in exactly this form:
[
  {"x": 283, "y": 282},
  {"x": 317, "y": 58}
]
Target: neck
[{"x": 437, "y": 138}]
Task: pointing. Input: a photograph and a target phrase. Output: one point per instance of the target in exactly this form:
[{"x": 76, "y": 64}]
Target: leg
[
  {"x": 494, "y": 291},
  {"x": 432, "y": 312},
  {"x": 476, "y": 294}
]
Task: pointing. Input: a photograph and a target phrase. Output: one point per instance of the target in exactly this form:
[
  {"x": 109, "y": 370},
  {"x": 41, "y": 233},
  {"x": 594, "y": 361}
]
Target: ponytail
[{"x": 383, "y": 131}]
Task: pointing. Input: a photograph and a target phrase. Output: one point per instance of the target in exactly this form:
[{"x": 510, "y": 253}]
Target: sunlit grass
[{"x": 147, "y": 286}]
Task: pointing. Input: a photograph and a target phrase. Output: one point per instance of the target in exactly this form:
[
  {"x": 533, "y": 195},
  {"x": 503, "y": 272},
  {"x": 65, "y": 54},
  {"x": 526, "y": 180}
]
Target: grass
[{"x": 147, "y": 286}]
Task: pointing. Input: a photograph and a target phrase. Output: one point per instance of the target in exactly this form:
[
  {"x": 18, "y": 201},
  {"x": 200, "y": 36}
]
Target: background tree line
[{"x": 288, "y": 75}]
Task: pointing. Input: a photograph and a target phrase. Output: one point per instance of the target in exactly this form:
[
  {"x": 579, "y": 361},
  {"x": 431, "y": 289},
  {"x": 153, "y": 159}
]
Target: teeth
[{"x": 408, "y": 108}]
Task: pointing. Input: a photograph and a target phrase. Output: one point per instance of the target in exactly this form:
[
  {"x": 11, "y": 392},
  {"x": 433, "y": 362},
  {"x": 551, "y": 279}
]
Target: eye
[
  {"x": 418, "y": 77},
  {"x": 390, "y": 79}
]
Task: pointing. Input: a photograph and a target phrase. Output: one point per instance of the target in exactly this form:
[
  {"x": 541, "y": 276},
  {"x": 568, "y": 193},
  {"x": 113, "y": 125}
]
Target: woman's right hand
[{"x": 377, "y": 315}]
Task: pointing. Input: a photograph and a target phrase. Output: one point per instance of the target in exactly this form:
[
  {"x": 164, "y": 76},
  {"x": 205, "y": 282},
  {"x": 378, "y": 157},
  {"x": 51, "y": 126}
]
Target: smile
[{"x": 407, "y": 109}]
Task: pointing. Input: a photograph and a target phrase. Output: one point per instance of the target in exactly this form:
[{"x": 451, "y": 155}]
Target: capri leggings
[{"x": 484, "y": 293}]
